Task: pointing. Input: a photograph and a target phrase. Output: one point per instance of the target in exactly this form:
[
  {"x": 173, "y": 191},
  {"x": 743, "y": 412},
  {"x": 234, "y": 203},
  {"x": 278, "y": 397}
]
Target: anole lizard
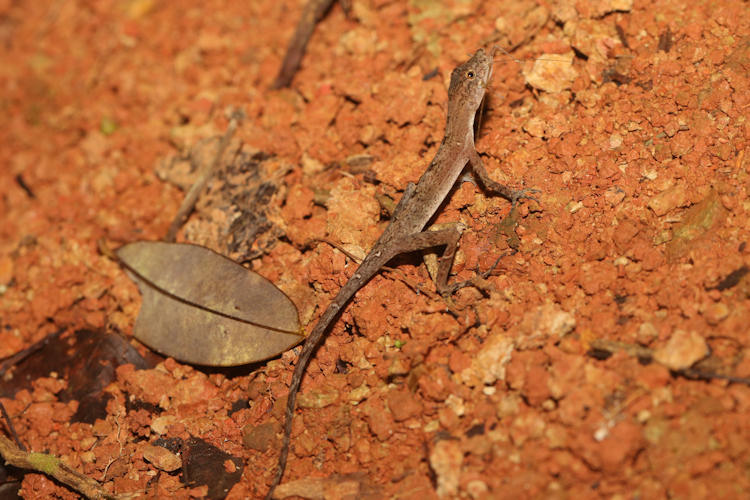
[{"x": 406, "y": 233}]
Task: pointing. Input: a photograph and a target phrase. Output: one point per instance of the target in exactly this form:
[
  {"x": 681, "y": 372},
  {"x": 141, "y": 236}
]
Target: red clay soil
[{"x": 607, "y": 358}]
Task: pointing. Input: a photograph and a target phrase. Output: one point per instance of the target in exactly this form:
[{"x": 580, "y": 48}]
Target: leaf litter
[{"x": 201, "y": 307}]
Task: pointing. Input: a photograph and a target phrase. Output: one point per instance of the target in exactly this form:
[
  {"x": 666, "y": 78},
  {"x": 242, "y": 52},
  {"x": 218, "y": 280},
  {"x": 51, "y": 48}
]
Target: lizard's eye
[{"x": 469, "y": 74}]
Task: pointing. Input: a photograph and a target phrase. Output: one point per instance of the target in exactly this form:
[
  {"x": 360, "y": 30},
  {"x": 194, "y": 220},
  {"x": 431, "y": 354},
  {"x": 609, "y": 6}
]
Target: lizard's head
[{"x": 469, "y": 80}]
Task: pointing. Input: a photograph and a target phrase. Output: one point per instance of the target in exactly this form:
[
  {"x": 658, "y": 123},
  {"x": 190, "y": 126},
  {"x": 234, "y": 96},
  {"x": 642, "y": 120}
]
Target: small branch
[
  {"x": 313, "y": 12},
  {"x": 53, "y": 467}
]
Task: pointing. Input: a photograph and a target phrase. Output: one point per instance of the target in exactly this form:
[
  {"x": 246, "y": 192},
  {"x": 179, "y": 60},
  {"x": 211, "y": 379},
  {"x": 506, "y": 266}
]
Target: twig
[
  {"x": 53, "y": 467},
  {"x": 313, "y": 12}
]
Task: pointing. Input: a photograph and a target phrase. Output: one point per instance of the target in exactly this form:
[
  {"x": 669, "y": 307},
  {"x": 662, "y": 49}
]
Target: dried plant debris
[
  {"x": 86, "y": 359},
  {"x": 201, "y": 307},
  {"x": 204, "y": 175},
  {"x": 51, "y": 466},
  {"x": 236, "y": 209},
  {"x": 205, "y": 464}
]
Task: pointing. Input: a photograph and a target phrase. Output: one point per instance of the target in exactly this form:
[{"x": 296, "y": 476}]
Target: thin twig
[{"x": 53, "y": 467}]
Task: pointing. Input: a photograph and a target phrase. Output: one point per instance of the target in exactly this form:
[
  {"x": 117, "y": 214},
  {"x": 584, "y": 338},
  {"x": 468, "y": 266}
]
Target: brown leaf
[{"x": 201, "y": 307}]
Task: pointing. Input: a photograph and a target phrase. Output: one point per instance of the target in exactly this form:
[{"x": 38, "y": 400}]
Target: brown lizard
[{"x": 406, "y": 233}]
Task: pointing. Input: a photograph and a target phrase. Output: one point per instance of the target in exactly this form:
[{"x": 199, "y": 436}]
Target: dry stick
[
  {"x": 191, "y": 198},
  {"x": 15, "y": 454},
  {"x": 53, "y": 467},
  {"x": 312, "y": 13}
]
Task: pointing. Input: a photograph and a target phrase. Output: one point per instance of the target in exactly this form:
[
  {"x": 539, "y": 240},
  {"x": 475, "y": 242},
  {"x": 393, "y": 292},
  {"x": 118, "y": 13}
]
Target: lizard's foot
[
  {"x": 476, "y": 281},
  {"x": 523, "y": 194}
]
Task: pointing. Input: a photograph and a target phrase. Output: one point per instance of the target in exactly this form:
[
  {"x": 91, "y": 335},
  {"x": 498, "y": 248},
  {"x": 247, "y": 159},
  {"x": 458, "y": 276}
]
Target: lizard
[{"x": 406, "y": 230}]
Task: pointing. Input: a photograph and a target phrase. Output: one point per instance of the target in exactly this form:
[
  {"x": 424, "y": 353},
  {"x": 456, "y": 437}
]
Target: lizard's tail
[
  {"x": 367, "y": 269},
  {"x": 312, "y": 341}
]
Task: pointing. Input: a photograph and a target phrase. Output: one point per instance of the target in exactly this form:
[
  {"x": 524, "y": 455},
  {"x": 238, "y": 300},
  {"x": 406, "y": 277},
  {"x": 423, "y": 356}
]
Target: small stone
[
  {"x": 102, "y": 428},
  {"x": 360, "y": 160},
  {"x": 614, "y": 195},
  {"x": 682, "y": 350},
  {"x": 552, "y": 72},
  {"x": 259, "y": 437},
  {"x": 509, "y": 405},
  {"x": 160, "y": 424},
  {"x": 445, "y": 460},
  {"x": 318, "y": 399},
  {"x": 403, "y": 405},
  {"x": 525, "y": 427},
  {"x": 489, "y": 363},
  {"x": 535, "y": 127},
  {"x": 716, "y": 313},
  {"x": 647, "y": 333},
  {"x": 477, "y": 488},
  {"x": 87, "y": 443},
  {"x": 161, "y": 458},
  {"x": 456, "y": 404},
  {"x": 310, "y": 165},
  {"x": 319, "y": 488},
  {"x": 544, "y": 322},
  {"x": 399, "y": 366},
  {"x": 359, "y": 394},
  {"x": 607, "y": 6},
  {"x": 669, "y": 199}
]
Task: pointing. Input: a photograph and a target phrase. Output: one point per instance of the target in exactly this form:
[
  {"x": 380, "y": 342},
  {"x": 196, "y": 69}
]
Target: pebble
[
  {"x": 489, "y": 363},
  {"x": 669, "y": 199},
  {"x": 161, "y": 458},
  {"x": 544, "y": 322},
  {"x": 259, "y": 437},
  {"x": 716, "y": 313},
  {"x": 403, "y": 405},
  {"x": 682, "y": 350},
  {"x": 446, "y": 459},
  {"x": 552, "y": 72}
]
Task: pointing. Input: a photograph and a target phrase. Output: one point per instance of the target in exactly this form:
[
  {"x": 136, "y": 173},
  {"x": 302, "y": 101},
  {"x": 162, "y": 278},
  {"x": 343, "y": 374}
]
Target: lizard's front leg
[{"x": 513, "y": 195}]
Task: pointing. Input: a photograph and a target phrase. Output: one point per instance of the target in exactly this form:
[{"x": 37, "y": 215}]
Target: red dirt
[{"x": 643, "y": 216}]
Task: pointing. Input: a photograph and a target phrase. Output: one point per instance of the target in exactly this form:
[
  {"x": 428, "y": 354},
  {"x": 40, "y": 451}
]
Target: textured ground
[{"x": 637, "y": 250}]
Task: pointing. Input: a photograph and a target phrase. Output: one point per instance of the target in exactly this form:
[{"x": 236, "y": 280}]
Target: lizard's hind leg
[{"x": 447, "y": 238}]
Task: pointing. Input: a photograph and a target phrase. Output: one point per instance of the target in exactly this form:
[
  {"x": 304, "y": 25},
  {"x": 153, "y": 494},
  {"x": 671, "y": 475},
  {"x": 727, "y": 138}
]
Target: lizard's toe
[{"x": 524, "y": 194}]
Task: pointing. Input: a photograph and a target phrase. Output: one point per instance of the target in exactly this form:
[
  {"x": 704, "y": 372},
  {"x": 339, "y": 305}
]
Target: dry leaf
[{"x": 201, "y": 307}]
